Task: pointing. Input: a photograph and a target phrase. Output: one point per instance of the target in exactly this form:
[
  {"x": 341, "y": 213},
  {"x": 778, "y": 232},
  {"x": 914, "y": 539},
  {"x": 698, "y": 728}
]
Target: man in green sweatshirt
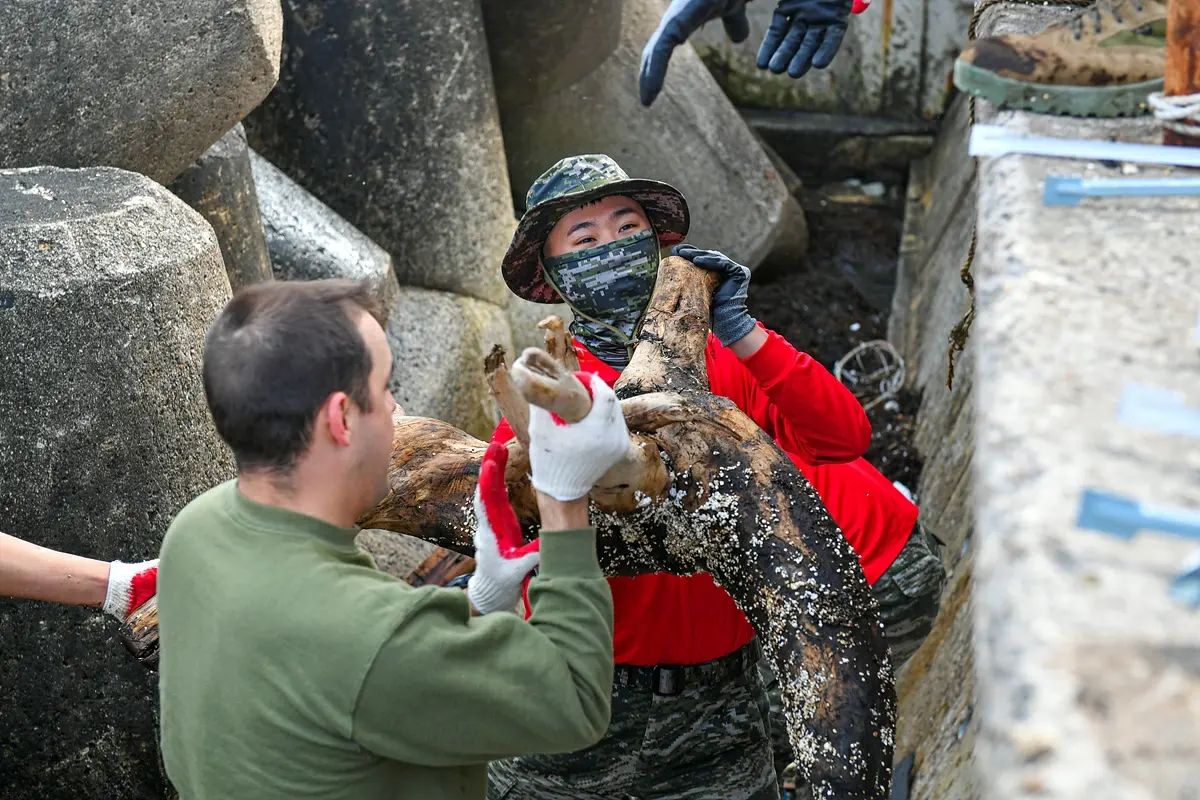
[{"x": 291, "y": 667}]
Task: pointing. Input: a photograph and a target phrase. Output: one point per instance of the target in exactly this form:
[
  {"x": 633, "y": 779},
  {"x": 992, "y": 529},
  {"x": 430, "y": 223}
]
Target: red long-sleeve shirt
[{"x": 674, "y": 619}]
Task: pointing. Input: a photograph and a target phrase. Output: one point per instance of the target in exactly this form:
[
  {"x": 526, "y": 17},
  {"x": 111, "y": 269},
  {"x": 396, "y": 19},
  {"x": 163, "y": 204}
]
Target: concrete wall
[
  {"x": 1060, "y": 667},
  {"x": 937, "y": 724}
]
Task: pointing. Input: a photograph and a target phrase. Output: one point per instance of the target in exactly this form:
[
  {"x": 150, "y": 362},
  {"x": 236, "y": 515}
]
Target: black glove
[
  {"x": 803, "y": 34},
  {"x": 731, "y": 320},
  {"x": 681, "y": 19}
]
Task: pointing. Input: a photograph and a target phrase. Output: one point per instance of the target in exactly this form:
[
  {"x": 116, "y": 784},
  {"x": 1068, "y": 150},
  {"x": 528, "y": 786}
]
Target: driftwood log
[
  {"x": 439, "y": 568},
  {"x": 140, "y": 633},
  {"x": 704, "y": 490}
]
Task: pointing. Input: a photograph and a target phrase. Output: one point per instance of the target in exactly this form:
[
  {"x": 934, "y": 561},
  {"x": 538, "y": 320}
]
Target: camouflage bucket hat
[{"x": 571, "y": 183}]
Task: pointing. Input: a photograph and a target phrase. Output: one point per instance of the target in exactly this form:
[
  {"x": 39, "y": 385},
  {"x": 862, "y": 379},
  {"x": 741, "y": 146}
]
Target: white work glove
[
  {"x": 567, "y": 459},
  {"x": 129, "y": 585},
  {"x": 502, "y": 559}
]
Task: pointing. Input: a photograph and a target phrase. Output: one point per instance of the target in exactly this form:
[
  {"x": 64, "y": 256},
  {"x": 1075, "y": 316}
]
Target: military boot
[{"x": 1100, "y": 62}]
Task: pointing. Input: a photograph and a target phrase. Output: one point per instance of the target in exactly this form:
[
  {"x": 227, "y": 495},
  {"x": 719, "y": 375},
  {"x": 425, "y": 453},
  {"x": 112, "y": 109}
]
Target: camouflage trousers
[
  {"x": 908, "y": 594},
  {"x": 708, "y": 742}
]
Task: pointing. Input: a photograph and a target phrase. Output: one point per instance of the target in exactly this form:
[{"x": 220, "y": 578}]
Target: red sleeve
[
  {"x": 794, "y": 399},
  {"x": 503, "y": 432}
]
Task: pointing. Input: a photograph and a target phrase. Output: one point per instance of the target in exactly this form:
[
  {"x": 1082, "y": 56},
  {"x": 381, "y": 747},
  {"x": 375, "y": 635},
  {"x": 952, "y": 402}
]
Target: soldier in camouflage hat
[
  {"x": 689, "y": 712},
  {"x": 607, "y": 286},
  {"x": 571, "y": 183}
]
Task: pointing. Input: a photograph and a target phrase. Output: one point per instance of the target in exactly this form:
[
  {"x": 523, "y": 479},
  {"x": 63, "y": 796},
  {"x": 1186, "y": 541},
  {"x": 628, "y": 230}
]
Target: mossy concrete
[{"x": 937, "y": 723}]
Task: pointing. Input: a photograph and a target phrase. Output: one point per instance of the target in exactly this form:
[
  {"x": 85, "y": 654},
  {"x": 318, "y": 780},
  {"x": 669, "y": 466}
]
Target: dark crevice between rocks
[{"x": 841, "y": 294}]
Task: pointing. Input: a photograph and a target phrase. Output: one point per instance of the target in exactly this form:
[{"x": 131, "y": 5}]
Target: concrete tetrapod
[
  {"x": 308, "y": 240},
  {"x": 692, "y": 137},
  {"x": 220, "y": 186},
  {"x": 704, "y": 489},
  {"x": 108, "y": 286},
  {"x": 438, "y": 340},
  {"x": 111, "y": 82},
  {"x": 385, "y": 111}
]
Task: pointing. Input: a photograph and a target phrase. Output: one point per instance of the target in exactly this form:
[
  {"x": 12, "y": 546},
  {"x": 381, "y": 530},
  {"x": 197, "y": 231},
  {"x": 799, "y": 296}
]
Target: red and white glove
[
  {"x": 567, "y": 459},
  {"x": 129, "y": 585},
  {"x": 503, "y": 560}
]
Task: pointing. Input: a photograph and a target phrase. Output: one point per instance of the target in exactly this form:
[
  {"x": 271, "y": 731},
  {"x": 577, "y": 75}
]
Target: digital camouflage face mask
[{"x": 608, "y": 287}]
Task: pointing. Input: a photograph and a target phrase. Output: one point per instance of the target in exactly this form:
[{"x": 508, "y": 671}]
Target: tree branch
[{"x": 513, "y": 407}]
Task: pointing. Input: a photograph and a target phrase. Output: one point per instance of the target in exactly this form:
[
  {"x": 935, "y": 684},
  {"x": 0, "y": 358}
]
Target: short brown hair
[{"x": 274, "y": 355}]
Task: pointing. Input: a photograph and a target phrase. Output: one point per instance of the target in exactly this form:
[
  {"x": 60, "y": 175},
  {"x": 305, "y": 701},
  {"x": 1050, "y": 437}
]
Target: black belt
[{"x": 669, "y": 680}]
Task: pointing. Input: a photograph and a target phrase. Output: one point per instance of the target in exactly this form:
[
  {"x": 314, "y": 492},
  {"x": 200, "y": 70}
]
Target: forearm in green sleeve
[{"x": 518, "y": 687}]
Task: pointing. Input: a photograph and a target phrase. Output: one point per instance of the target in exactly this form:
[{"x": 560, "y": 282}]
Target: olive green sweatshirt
[{"x": 292, "y": 668}]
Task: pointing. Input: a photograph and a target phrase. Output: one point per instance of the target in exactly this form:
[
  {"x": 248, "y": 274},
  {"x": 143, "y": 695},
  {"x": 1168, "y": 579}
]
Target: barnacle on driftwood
[{"x": 704, "y": 489}]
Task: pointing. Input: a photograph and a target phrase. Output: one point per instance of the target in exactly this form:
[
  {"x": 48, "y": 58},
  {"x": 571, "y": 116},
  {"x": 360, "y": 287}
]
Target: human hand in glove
[
  {"x": 566, "y": 459},
  {"x": 129, "y": 586},
  {"x": 802, "y": 34},
  {"x": 503, "y": 560},
  {"x": 731, "y": 320},
  {"x": 681, "y": 19},
  {"x": 805, "y": 34}
]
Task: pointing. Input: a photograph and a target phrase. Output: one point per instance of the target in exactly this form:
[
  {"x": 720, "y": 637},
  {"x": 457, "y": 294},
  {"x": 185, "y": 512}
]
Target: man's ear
[{"x": 336, "y": 412}]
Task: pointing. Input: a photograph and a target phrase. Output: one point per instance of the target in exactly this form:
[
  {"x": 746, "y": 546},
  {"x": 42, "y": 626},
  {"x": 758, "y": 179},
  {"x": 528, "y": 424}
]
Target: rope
[
  {"x": 960, "y": 332},
  {"x": 1178, "y": 112}
]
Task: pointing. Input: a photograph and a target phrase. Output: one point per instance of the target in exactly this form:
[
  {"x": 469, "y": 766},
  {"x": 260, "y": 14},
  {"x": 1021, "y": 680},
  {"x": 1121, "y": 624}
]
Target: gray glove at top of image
[{"x": 802, "y": 34}]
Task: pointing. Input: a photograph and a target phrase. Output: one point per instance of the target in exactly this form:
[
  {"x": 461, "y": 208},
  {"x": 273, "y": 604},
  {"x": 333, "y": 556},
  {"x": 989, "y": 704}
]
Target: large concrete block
[
  {"x": 123, "y": 84},
  {"x": 692, "y": 137},
  {"x": 896, "y": 61},
  {"x": 108, "y": 284},
  {"x": 220, "y": 186},
  {"x": 563, "y": 43},
  {"x": 1089, "y": 672},
  {"x": 386, "y": 112},
  {"x": 937, "y": 724},
  {"x": 308, "y": 240},
  {"x": 439, "y": 341}
]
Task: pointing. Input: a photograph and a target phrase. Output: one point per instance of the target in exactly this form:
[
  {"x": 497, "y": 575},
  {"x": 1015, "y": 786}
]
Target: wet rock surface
[
  {"x": 121, "y": 84},
  {"x": 107, "y": 287},
  {"x": 937, "y": 724}
]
